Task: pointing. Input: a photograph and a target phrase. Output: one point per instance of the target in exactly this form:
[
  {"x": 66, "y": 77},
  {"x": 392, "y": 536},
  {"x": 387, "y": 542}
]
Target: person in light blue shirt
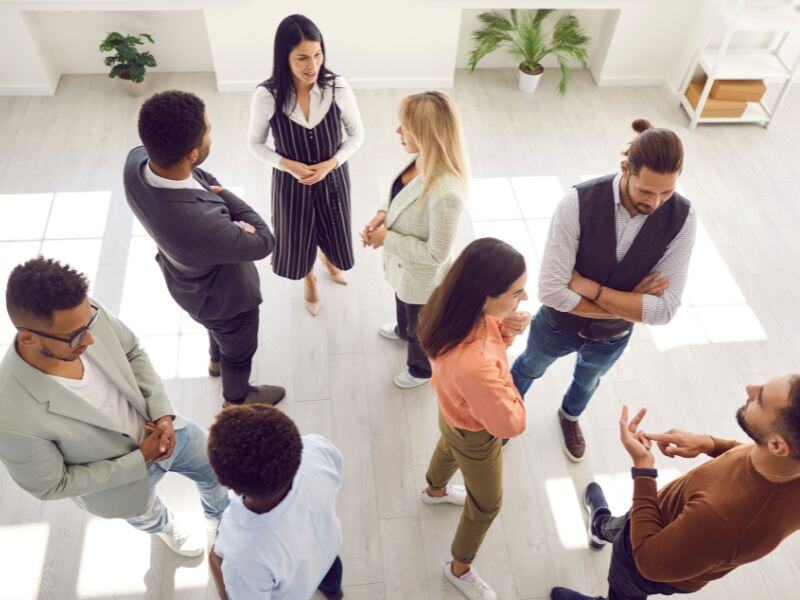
[{"x": 280, "y": 538}]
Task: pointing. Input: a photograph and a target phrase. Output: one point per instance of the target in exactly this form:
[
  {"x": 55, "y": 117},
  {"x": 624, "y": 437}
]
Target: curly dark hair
[
  {"x": 171, "y": 124},
  {"x": 255, "y": 450},
  {"x": 788, "y": 418},
  {"x": 41, "y": 286}
]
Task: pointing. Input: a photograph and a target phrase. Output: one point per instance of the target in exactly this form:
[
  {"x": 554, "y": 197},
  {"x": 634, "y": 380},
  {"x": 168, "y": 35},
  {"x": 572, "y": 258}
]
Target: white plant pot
[
  {"x": 133, "y": 89},
  {"x": 527, "y": 82}
]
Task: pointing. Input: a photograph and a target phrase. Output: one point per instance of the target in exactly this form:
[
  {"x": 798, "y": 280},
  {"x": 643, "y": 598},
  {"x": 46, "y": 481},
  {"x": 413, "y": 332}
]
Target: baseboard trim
[
  {"x": 355, "y": 83},
  {"x": 630, "y": 80},
  {"x": 27, "y": 90}
]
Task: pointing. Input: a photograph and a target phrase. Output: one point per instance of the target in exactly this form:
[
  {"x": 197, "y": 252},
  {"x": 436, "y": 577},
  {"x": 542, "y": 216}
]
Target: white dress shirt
[
  {"x": 284, "y": 554},
  {"x": 99, "y": 391},
  {"x": 561, "y": 251},
  {"x": 172, "y": 184},
  {"x": 262, "y": 109}
]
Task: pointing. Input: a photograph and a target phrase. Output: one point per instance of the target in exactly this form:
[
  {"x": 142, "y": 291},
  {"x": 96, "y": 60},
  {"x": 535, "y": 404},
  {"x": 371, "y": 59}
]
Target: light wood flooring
[{"x": 739, "y": 324}]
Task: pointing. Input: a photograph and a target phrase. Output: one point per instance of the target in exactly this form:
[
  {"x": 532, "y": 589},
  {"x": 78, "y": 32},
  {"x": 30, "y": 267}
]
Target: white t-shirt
[
  {"x": 172, "y": 184},
  {"x": 100, "y": 392},
  {"x": 285, "y": 553}
]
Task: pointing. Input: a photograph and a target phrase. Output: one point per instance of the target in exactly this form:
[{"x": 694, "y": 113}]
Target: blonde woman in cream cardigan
[{"x": 417, "y": 225}]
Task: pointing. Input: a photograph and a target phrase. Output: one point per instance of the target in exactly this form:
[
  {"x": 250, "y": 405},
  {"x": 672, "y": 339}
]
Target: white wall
[
  {"x": 373, "y": 43},
  {"x": 25, "y": 68},
  {"x": 72, "y": 38},
  {"x": 591, "y": 20}
]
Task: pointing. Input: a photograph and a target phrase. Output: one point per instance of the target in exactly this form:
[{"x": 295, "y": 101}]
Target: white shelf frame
[{"x": 764, "y": 64}]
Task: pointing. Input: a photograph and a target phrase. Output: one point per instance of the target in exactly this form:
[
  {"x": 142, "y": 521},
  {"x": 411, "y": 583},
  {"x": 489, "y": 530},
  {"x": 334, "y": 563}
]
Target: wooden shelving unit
[{"x": 777, "y": 19}]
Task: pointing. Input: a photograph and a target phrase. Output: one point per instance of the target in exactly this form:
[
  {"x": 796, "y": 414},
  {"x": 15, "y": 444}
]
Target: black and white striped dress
[{"x": 306, "y": 217}]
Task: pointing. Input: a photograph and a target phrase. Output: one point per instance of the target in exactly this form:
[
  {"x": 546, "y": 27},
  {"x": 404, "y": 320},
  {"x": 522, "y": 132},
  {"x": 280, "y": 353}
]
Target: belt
[{"x": 611, "y": 339}]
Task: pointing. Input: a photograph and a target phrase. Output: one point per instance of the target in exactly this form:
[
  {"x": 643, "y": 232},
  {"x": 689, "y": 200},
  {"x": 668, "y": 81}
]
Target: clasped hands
[
  {"x": 672, "y": 443},
  {"x": 374, "y": 232},
  {"x": 159, "y": 440},
  {"x": 309, "y": 174},
  {"x": 652, "y": 285}
]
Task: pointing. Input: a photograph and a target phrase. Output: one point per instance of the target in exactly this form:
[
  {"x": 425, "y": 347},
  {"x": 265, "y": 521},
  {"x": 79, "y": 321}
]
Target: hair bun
[{"x": 641, "y": 125}]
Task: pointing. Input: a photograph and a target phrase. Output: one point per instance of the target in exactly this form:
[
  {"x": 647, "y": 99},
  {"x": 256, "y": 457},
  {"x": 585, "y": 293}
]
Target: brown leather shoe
[
  {"x": 260, "y": 394},
  {"x": 214, "y": 368},
  {"x": 574, "y": 444}
]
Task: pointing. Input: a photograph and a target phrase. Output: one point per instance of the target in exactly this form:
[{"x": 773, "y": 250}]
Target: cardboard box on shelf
[
  {"x": 738, "y": 90},
  {"x": 714, "y": 109}
]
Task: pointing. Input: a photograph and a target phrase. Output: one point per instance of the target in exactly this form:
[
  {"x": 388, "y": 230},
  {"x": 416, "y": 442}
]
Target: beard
[
  {"x": 754, "y": 435},
  {"x": 636, "y": 205},
  {"x": 70, "y": 358}
]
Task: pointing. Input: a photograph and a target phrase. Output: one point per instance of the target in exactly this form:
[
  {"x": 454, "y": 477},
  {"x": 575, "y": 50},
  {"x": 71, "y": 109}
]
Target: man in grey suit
[
  {"x": 207, "y": 237},
  {"x": 83, "y": 415}
]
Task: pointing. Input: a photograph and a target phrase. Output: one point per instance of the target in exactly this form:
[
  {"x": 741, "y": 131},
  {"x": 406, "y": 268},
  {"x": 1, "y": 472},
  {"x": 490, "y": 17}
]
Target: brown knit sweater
[{"x": 711, "y": 520}]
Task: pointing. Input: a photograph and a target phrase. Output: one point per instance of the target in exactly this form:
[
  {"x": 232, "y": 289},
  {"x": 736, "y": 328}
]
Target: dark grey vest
[{"x": 597, "y": 251}]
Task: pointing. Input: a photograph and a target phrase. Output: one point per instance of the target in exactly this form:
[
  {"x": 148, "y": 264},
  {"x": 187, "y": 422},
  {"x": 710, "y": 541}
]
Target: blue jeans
[
  {"x": 190, "y": 459},
  {"x": 547, "y": 342}
]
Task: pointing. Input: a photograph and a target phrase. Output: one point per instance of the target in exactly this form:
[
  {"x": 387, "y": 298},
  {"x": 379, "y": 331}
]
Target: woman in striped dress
[{"x": 307, "y": 109}]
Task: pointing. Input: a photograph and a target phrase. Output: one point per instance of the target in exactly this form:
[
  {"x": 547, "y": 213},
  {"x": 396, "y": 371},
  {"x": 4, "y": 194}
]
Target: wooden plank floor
[{"x": 739, "y": 325}]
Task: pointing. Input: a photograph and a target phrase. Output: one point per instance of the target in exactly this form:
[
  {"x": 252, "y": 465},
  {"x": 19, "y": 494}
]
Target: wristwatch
[{"x": 638, "y": 472}]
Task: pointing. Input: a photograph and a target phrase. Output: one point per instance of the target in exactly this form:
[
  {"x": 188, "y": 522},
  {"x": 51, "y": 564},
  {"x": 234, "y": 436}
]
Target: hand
[
  {"x": 583, "y": 286},
  {"x": 299, "y": 170},
  {"x": 216, "y": 188},
  {"x": 377, "y": 221},
  {"x": 652, "y": 285},
  {"x": 245, "y": 226},
  {"x": 635, "y": 443},
  {"x": 167, "y": 429},
  {"x": 153, "y": 447},
  {"x": 682, "y": 443},
  {"x": 319, "y": 171},
  {"x": 516, "y": 322},
  {"x": 377, "y": 237}
]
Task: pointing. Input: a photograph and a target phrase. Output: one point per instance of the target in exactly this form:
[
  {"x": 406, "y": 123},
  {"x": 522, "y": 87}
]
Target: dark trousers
[
  {"x": 406, "y": 330},
  {"x": 624, "y": 580},
  {"x": 332, "y": 582},
  {"x": 233, "y": 342}
]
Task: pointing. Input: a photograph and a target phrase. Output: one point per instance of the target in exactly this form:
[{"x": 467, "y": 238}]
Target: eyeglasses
[{"x": 76, "y": 339}]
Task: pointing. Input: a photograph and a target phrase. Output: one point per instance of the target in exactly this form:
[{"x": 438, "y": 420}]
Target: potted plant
[
  {"x": 523, "y": 37},
  {"x": 128, "y": 64}
]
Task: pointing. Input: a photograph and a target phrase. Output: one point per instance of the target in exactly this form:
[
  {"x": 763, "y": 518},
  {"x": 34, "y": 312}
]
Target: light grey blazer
[
  {"x": 417, "y": 250},
  {"x": 56, "y": 445}
]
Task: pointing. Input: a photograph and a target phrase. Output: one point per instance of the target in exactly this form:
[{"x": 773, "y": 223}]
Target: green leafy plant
[
  {"x": 128, "y": 62},
  {"x": 523, "y": 37}
]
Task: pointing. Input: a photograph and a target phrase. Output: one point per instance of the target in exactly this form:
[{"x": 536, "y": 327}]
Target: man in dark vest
[
  {"x": 617, "y": 254},
  {"x": 207, "y": 237}
]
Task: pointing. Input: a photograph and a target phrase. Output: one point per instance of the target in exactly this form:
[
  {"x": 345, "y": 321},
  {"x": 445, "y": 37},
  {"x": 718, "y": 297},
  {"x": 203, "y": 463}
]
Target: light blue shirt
[{"x": 285, "y": 553}]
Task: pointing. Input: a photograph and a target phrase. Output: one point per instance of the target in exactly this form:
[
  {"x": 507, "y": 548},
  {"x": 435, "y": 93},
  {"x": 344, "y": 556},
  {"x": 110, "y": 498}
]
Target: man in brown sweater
[{"x": 728, "y": 512}]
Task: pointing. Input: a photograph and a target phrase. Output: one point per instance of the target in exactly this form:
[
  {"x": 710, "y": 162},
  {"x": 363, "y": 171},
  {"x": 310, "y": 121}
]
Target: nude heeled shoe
[
  {"x": 312, "y": 307},
  {"x": 339, "y": 276}
]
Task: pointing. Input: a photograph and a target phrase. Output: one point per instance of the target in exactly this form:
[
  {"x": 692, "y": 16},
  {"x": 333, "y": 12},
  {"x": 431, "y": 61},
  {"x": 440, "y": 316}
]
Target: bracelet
[{"x": 597, "y": 296}]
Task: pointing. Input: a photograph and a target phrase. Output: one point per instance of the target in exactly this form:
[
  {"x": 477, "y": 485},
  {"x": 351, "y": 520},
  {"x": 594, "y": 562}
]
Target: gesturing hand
[
  {"x": 652, "y": 285},
  {"x": 635, "y": 441},
  {"x": 675, "y": 442},
  {"x": 516, "y": 322}
]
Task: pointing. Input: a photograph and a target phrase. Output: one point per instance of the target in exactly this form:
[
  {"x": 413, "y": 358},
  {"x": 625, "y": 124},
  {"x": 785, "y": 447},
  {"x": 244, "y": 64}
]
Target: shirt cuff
[
  {"x": 653, "y": 310},
  {"x": 645, "y": 488}
]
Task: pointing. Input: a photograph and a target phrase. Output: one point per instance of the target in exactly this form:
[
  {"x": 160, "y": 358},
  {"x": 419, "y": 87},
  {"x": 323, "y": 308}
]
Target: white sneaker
[
  {"x": 453, "y": 494},
  {"x": 470, "y": 584},
  {"x": 407, "y": 381},
  {"x": 387, "y": 330},
  {"x": 175, "y": 538}
]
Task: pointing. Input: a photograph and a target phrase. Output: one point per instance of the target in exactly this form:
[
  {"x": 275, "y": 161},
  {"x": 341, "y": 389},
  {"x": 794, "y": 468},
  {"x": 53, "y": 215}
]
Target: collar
[
  {"x": 162, "y": 182},
  {"x": 246, "y": 518}
]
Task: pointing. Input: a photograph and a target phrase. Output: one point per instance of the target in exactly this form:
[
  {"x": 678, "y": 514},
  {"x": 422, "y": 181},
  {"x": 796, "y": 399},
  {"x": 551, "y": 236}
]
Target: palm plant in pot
[
  {"x": 128, "y": 63},
  {"x": 524, "y": 38}
]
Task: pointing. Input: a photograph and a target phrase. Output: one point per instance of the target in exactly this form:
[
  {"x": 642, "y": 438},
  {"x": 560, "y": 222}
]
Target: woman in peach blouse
[{"x": 465, "y": 328}]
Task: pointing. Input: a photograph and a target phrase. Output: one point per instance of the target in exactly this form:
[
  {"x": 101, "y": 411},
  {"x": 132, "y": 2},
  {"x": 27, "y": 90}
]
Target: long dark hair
[
  {"x": 486, "y": 268},
  {"x": 292, "y": 31}
]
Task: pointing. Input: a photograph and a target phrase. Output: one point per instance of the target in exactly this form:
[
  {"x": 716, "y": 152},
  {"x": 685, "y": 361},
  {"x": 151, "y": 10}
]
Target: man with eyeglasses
[{"x": 83, "y": 414}]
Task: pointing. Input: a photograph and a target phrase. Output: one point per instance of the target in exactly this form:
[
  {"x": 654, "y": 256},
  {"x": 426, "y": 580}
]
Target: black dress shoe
[{"x": 560, "y": 593}]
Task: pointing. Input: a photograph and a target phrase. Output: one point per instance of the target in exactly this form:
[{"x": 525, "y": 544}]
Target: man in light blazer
[{"x": 83, "y": 414}]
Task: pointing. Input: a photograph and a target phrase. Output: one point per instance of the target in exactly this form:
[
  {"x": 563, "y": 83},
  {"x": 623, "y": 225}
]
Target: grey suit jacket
[
  {"x": 206, "y": 259},
  {"x": 56, "y": 445}
]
